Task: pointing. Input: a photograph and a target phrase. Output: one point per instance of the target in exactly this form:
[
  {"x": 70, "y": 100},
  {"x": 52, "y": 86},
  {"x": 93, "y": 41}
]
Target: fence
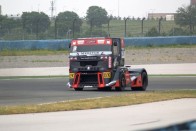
[
  {"x": 116, "y": 28},
  {"x": 63, "y": 44}
]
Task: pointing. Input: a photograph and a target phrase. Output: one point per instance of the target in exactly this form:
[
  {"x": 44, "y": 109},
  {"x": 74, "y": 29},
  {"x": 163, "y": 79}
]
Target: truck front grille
[
  {"x": 88, "y": 63},
  {"x": 88, "y": 79}
]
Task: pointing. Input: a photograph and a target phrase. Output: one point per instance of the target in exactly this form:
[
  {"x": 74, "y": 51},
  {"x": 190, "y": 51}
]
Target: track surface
[{"x": 37, "y": 91}]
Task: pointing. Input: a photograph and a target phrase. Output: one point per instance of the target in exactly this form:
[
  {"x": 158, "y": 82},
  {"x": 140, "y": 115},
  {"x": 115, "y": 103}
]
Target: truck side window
[
  {"x": 115, "y": 50},
  {"x": 74, "y": 48}
]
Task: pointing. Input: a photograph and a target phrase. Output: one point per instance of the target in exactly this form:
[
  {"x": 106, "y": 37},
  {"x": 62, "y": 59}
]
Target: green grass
[
  {"x": 105, "y": 102},
  {"x": 53, "y": 52},
  {"x": 31, "y": 52},
  {"x": 162, "y": 46},
  {"x": 49, "y": 61}
]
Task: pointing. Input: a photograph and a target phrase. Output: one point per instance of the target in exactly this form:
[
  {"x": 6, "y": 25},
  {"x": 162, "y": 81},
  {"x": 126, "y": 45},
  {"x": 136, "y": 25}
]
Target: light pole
[
  {"x": 55, "y": 28},
  {"x": 74, "y": 26},
  {"x": 91, "y": 26},
  {"x": 68, "y": 33},
  {"x": 143, "y": 25},
  {"x": 109, "y": 27},
  {"x": 160, "y": 25},
  {"x": 126, "y": 26},
  {"x": 23, "y": 27}
]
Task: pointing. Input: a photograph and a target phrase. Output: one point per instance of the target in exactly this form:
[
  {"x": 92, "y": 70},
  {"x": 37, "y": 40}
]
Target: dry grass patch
[{"x": 105, "y": 102}]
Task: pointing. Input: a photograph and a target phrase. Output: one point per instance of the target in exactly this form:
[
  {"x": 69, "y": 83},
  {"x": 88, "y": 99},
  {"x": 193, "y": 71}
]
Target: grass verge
[
  {"x": 57, "y": 52},
  {"x": 105, "y": 102},
  {"x": 31, "y": 52},
  {"x": 162, "y": 46}
]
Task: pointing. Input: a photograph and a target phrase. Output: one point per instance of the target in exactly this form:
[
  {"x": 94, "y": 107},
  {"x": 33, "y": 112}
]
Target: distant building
[
  {"x": 15, "y": 17},
  {"x": 166, "y": 16},
  {"x": 193, "y": 2}
]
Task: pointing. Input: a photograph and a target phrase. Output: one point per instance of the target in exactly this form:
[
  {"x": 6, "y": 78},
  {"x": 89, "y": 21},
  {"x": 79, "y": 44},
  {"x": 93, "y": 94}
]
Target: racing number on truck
[
  {"x": 71, "y": 75},
  {"x": 106, "y": 75}
]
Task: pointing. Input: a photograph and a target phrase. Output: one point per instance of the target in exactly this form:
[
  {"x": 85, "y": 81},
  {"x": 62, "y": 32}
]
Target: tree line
[{"x": 38, "y": 25}]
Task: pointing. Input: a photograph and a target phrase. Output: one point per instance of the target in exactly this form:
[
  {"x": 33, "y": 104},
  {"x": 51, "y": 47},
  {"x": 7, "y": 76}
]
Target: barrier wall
[
  {"x": 34, "y": 44},
  {"x": 144, "y": 41},
  {"x": 63, "y": 44}
]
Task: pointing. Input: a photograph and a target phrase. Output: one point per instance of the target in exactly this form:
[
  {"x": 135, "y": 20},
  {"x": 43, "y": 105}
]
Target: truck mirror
[
  {"x": 115, "y": 43},
  {"x": 69, "y": 45}
]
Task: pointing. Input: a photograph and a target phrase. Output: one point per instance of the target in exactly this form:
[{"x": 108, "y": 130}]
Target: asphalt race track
[{"x": 37, "y": 91}]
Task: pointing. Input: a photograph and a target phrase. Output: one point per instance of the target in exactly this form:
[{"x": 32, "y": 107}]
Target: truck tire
[
  {"x": 105, "y": 89},
  {"x": 144, "y": 83},
  {"x": 108, "y": 88},
  {"x": 78, "y": 89},
  {"x": 122, "y": 81}
]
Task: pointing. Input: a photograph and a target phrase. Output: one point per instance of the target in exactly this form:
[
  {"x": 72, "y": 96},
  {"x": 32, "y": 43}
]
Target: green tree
[
  {"x": 96, "y": 16},
  {"x": 7, "y": 25},
  {"x": 152, "y": 32},
  {"x": 35, "y": 22},
  {"x": 67, "y": 22},
  {"x": 178, "y": 32},
  {"x": 186, "y": 16}
]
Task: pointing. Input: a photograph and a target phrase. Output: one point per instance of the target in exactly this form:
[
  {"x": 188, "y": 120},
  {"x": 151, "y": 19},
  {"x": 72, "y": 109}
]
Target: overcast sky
[{"x": 123, "y": 8}]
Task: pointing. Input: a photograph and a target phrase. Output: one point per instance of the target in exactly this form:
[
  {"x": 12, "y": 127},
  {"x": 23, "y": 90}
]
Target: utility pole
[{"x": 52, "y": 8}]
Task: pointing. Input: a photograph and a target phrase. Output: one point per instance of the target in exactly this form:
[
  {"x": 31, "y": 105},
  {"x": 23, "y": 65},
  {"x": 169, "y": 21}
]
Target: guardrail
[
  {"x": 63, "y": 44},
  {"x": 145, "y": 41},
  {"x": 34, "y": 44}
]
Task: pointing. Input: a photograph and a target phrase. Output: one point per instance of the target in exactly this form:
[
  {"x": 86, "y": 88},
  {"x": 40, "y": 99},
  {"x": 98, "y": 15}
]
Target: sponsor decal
[
  {"x": 110, "y": 62},
  {"x": 101, "y": 41},
  {"x": 106, "y": 75},
  {"x": 80, "y": 42},
  {"x": 71, "y": 75},
  {"x": 90, "y": 53}
]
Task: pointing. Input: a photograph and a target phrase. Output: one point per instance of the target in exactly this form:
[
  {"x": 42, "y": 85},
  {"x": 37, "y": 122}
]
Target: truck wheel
[
  {"x": 108, "y": 88},
  {"x": 144, "y": 83},
  {"x": 78, "y": 89},
  {"x": 105, "y": 89},
  {"x": 122, "y": 83}
]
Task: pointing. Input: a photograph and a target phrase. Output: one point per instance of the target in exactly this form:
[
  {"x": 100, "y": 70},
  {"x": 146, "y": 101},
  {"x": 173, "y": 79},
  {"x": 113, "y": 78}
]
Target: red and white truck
[{"x": 99, "y": 63}]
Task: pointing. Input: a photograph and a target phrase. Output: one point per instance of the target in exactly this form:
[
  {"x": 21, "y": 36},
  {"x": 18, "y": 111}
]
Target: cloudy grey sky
[{"x": 123, "y": 8}]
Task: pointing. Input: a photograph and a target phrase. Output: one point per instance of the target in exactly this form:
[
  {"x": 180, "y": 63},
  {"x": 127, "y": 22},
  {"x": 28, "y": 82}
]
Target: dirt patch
[
  {"x": 133, "y": 57},
  {"x": 160, "y": 56}
]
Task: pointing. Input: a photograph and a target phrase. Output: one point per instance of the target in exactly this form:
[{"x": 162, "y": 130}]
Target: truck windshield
[{"x": 87, "y": 48}]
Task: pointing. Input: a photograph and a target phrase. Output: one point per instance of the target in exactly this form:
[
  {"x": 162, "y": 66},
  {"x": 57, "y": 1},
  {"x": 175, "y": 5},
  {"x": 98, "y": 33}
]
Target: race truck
[{"x": 99, "y": 63}]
